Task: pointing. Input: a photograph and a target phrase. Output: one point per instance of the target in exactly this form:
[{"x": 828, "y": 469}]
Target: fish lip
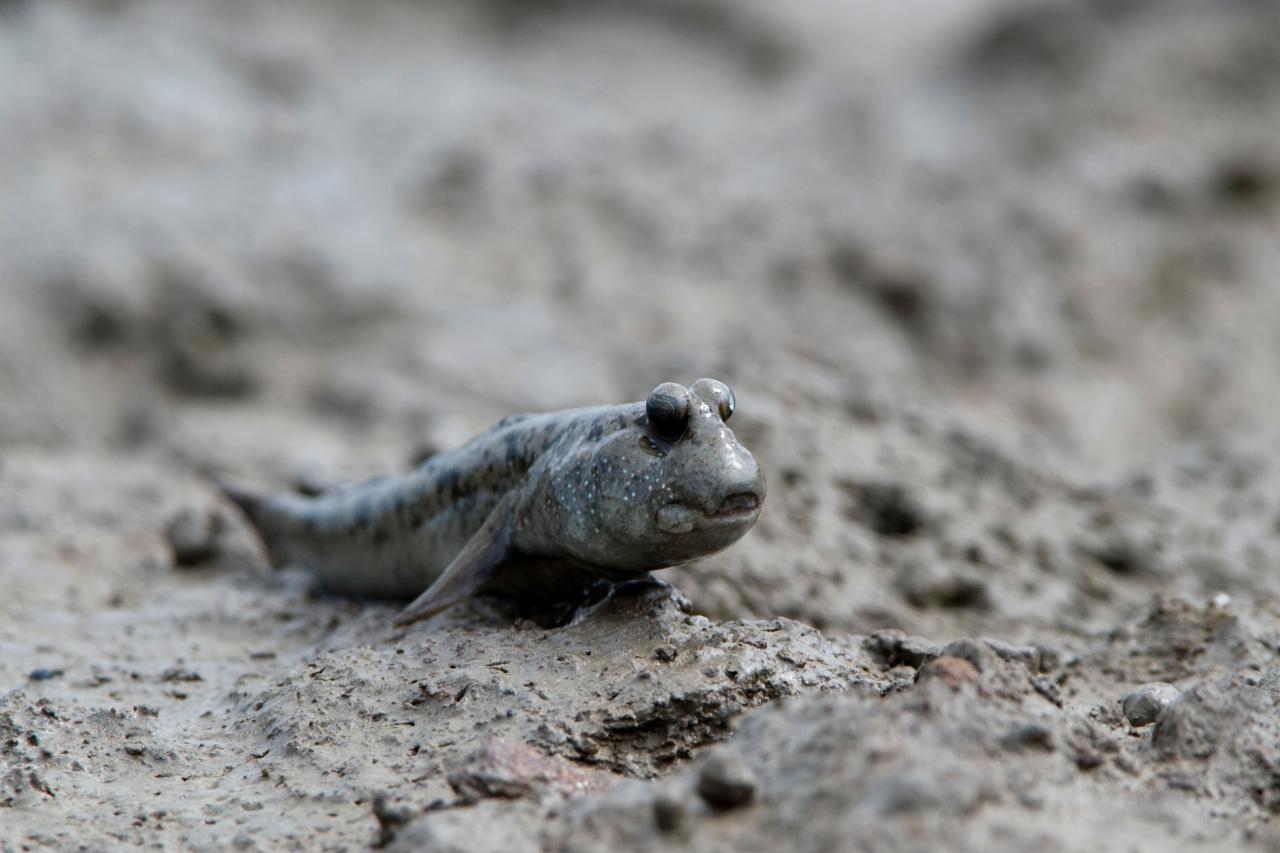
[
  {"x": 733, "y": 514},
  {"x": 737, "y": 505},
  {"x": 683, "y": 517}
]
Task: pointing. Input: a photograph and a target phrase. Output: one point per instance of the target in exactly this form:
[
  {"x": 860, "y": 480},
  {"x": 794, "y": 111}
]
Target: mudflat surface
[{"x": 995, "y": 285}]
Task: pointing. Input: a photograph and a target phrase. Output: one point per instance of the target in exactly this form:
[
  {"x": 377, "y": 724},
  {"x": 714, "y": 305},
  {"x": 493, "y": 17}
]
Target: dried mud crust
[
  {"x": 982, "y": 741},
  {"x": 471, "y": 731},
  {"x": 633, "y": 689},
  {"x": 272, "y": 699}
]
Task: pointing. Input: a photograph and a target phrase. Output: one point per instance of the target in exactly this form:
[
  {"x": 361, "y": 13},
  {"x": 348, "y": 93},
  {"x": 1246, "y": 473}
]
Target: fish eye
[
  {"x": 718, "y": 394},
  {"x": 668, "y": 411}
]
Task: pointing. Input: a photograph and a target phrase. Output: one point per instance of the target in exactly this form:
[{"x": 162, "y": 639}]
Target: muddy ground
[{"x": 995, "y": 284}]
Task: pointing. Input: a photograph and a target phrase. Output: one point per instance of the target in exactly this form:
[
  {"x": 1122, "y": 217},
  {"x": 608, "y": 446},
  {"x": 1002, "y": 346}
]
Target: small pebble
[
  {"x": 1088, "y": 759},
  {"x": 726, "y": 782},
  {"x": 981, "y": 655},
  {"x": 1033, "y": 735},
  {"x": 1048, "y": 688},
  {"x": 390, "y": 820},
  {"x": 665, "y": 653},
  {"x": 1142, "y": 706},
  {"x": 44, "y": 674},
  {"x": 952, "y": 671},
  {"x": 193, "y": 535},
  {"x": 1028, "y": 656},
  {"x": 669, "y": 813}
]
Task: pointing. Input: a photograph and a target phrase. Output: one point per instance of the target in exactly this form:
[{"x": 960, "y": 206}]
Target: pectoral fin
[{"x": 475, "y": 565}]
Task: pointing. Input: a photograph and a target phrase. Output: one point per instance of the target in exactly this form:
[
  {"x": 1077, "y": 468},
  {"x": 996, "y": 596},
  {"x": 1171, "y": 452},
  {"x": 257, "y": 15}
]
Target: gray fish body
[
  {"x": 392, "y": 536},
  {"x": 537, "y": 501}
]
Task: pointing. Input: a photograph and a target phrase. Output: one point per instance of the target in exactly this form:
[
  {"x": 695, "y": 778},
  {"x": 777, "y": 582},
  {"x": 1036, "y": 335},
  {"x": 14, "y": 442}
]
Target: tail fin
[
  {"x": 249, "y": 499},
  {"x": 262, "y": 511}
]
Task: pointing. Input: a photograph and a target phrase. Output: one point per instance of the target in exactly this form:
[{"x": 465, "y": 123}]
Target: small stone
[
  {"x": 981, "y": 655},
  {"x": 178, "y": 673},
  {"x": 1049, "y": 657},
  {"x": 902, "y": 673},
  {"x": 44, "y": 674},
  {"x": 508, "y": 769},
  {"x": 887, "y": 508},
  {"x": 1126, "y": 763},
  {"x": 669, "y": 813},
  {"x": 1030, "y": 799},
  {"x": 1142, "y": 706},
  {"x": 390, "y": 820},
  {"x": 1028, "y": 656},
  {"x": 1088, "y": 759},
  {"x": 193, "y": 535},
  {"x": 726, "y": 782},
  {"x": 950, "y": 586},
  {"x": 1048, "y": 688},
  {"x": 893, "y": 647},
  {"x": 200, "y": 342},
  {"x": 952, "y": 671},
  {"x": 1033, "y": 735},
  {"x": 665, "y": 653}
]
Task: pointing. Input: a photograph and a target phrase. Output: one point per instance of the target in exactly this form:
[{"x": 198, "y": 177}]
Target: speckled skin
[{"x": 592, "y": 493}]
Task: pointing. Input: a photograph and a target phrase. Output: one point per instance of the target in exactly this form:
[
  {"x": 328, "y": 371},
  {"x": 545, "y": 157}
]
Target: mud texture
[{"x": 995, "y": 286}]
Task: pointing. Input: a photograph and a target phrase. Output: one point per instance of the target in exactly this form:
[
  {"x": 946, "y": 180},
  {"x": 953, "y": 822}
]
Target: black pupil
[
  {"x": 727, "y": 404},
  {"x": 666, "y": 416}
]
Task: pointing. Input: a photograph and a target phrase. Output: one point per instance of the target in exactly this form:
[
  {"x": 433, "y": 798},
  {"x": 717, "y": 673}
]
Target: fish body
[{"x": 535, "y": 507}]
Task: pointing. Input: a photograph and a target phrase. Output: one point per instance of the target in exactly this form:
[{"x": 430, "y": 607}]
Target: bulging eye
[
  {"x": 717, "y": 394},
  {"x": 668, "y": 410}
]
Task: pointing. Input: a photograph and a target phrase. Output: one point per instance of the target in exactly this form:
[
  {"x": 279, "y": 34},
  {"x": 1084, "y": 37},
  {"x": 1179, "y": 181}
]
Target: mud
[{"x": 993, "y": 283}]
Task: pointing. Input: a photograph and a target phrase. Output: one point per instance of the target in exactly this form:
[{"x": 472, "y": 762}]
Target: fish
[{"x": 537, "y": 508}]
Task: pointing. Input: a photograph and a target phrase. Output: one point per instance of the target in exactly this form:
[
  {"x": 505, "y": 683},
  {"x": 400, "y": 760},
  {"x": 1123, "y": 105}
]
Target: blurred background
[{"x": 974, "y": 269}]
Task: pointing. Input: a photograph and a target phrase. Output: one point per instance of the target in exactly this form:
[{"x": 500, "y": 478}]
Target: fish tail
[
  {"x": 273, "y": 523},
  {"x": 248, "y": 499}
]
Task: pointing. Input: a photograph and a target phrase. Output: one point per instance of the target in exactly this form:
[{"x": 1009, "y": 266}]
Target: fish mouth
[{"x": 735, "y": 510}]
